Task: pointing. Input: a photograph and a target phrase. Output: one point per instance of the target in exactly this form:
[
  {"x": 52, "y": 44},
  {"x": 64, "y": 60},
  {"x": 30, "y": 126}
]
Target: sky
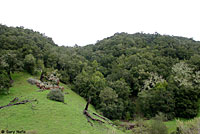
[{"x": 82, "y": 22}]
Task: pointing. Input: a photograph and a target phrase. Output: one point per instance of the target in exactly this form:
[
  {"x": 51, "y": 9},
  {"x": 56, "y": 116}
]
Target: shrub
[
  {"x": 155, "y": 127},
  {"x": 56, "y": 95},
  {"x": 189, "y": 127},
  {"x": 158, "y": 127},
  {"x": 141, "y": 127}
]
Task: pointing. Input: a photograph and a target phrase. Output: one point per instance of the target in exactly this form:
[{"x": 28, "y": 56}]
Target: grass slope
[{"x": 50, "y": 117}]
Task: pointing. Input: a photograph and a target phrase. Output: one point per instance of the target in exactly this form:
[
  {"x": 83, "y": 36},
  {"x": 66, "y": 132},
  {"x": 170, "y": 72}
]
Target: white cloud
[{"x": 83, "y": 22}]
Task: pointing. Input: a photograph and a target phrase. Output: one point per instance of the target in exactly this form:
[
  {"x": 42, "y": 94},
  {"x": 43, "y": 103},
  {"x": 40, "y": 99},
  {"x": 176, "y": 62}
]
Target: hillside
[
  {"x": 126, "y": 76},
  {"x": 48, "y": 116}
]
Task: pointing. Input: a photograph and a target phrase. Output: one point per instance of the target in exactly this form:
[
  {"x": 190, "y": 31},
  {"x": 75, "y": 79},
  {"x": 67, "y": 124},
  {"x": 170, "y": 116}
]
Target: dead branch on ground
[
  {"x": 16, "y": 101},
  {"x": 88, "y": 116}
]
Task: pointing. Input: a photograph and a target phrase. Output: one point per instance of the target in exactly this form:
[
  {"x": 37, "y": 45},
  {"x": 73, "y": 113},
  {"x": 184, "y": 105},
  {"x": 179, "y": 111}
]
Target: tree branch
[{"x": 18, "y": 103}]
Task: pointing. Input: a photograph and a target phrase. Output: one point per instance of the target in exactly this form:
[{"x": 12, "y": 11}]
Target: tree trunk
[
  {"x": 88, "y": 116},
  {"x": 86, "y": 107},
  {"x": 9, "y": 75},
  {"x": 42, "y": 76}
]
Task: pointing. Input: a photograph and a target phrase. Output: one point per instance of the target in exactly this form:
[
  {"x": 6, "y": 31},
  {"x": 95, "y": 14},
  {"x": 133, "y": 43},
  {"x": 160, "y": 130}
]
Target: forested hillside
[
  {"x": 145, "y": 74},
  {"x": 125, "y": 75}
]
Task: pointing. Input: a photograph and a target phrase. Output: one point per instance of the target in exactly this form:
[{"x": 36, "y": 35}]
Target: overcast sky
[{"x": 84, "y": 22}]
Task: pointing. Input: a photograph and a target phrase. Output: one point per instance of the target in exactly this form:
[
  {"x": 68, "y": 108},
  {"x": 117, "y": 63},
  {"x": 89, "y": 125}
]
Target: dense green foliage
[
  {"x": 157, "y": 99},
  {"x": 148, "y": 64},
  {"x": 29, "y": 63},
  {"x": 4, "y": 83},
  {"x": 123, "y": 74}
]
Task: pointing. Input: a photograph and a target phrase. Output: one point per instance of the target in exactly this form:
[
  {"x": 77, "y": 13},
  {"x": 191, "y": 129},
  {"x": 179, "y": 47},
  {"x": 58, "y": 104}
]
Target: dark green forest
[{"x": 125, "y": 75}]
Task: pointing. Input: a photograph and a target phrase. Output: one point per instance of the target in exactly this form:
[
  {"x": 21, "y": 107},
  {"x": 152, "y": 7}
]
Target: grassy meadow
[{"x": 47, "y": 117}]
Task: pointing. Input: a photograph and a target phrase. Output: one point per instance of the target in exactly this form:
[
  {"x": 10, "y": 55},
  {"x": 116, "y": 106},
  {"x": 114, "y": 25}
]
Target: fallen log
[
  {"x": 88, "y": 116},
  {"x": 89, "y": 121},
  {"x": 94, "y": 119},
  {"x": 18, "y": 103},
  {"x": 100, "y": 117}
]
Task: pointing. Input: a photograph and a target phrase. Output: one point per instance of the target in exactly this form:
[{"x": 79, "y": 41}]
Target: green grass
[
  {"x": 49, "y": 117},
  {"x": 171, "y": 125}
]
